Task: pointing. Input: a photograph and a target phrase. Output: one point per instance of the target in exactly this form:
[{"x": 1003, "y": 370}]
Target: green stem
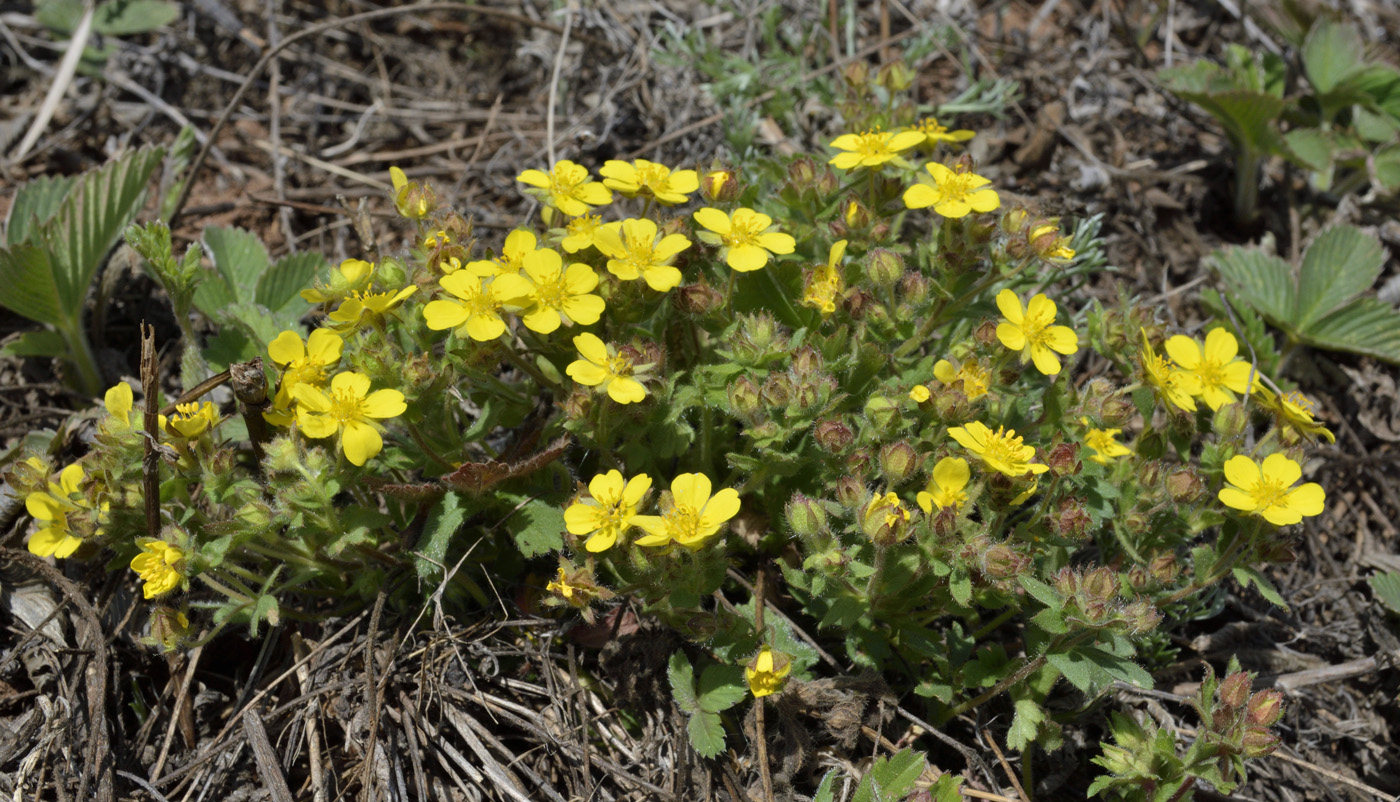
[
  {"x": 1222, "y": 568},
  {"x": 991, "y": 626},
  {"x": 80, "y": 356},
  {"x": 530, "y": 370},
  {"x": 1247, "y": 185},
  {"x": 872, "y": 587}
]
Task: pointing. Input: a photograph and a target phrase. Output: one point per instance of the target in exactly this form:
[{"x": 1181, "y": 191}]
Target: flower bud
[
  {"x": 1149, "y": 474},
  {"x": 1070, "y": 520},
  {"x": 913, "y": 288},
  {"x": 1067, "y": 582},
  {"x": 859, "y": 463},
  {"x": 1000, "y": 561},
  {"x": 1142, "y": 616},
  {"x": 169, "y": 628},
  {"x": 827, "y": 182},
  {"x": 1222, "y": 719},
  {"x": 697, "y": 299},
  {"x": 851, "y": 492},
  {"x": 1234, "y": 690},
  {"x": 1013, "y": 220},
  {"x": 832, "y": 435},
  {"x": 1229, "y": 421},
  {"x": 881, "y": 411},
  {"x": 856, "y": 73},
  {"x": 1101, "y": 584},
  {"x": 744, "y": 398},
  {"x": 577, "y": 404},
  {"x": 883, "y": 267},
  {"x": 945, "y": 522},
  {"x": 806, "y": 516},
  {"x": 1185, "y": 486},
  {"x": 1164, "y": 568},
  {"x": 1258, "y": 742},
  {"x": 806, "y": 361},
  {"x": 720, "y": 186},
  {"x": 391, "y": 273},
  {"x": 986, "y": 333},
  {"x": 1096, "y": 612},
  {"x": 802, "y": 173},
  {"x": 777, "y": 391},
  {"x": 898, "y": 461},
  {"x": 885, "y": 520},
  {"x": 1063, "y": 459},
  {"x": 1139, "y": 578},
  {"x": 895, "y": 76},
  {"x": 1265, "y": 708},
  {"x": 756, "y": 337}
]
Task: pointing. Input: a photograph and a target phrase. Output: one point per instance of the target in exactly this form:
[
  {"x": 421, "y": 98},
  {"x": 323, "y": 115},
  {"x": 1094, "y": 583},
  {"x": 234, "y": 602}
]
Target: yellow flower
[
  {"x": 872, "y": 148},
  {"x": 1174, "y": 385},
  {"x": 919, "y": 393},
  {"x": 192, "y": 419},
  {"x": 302, "y": 362},
  {"x": 693, "y": 515},
  {"x": 564, "y": 588},
  {"x": 411, "y": 199},
  {"x": 367, "y": 308},
  {"x": 609, "y": 513},
  {"x": 603, "y": 367},
  {"x": 119, "y": 402},
  {"x": 436, "y": 239},
  {"x": 581, "y": 233},
  {"x": 885, "y": 519},
  {"x": 519, "y": 244},
  {"x": 353, "y": 275},
  {"x": 558, "y": 295},
  {"x": 1294, "y": 411},
  {"x": 1031, "y": 331},
  {"x": 634, "y": 252},
  {"x": 1215, "y": 366},
  {"x": 947, "y": 486},
  {"x": 55, "y": 536},
  {"x": 767, "y": 672},
  {"x": 351, "y": 410},
  {"x": 975, "y": 378},
  {"x": 1104, "y": 444},
  {"x": 826, "y": 285},
  {"x": 1001, "y": 450},
  {"x": 649, "y": 178},
  {"x": 747, "y": 238},
  {"x": 1049, "y": 244},
  {"x": 1267, "y": 490},
  {"x": 567, "y": 188},
  {"x": 160, "y": 565},
  {"x": 934, "y": 133},
  {"x": 952, "y": 193},
  {"x": 478, "y": 314}
]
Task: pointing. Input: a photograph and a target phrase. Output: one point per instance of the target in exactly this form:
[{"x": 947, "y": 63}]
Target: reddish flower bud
[
  {"x": 1234, "y": 690},
  {"x": 697, "y": 299},
  {"x": 1070, "y": 520},
  {"x": 832, "y": 435},
  {"x": 1265, "y": 708},
  {"x": 1185, "y": 486},
  {"x": 898, "y": 461},
  {"x": 1101, "y": 584},
  {"x": 1063, "y": 459},
  {"x": 1258, "y": 743}
]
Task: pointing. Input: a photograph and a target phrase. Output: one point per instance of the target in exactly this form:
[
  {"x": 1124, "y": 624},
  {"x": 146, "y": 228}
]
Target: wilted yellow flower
[
  {"x": 160, "y": 565},
  {"x": 885, "y": 519},
  {"x": 1267, "y": 490},
  {"x": 934, "y": 133},
  {"x": 1214, "y": 366},
  {"x": 650, "y": 179},
  {"x": 947, "y": 487},
  {"x": 1049, "y": 244},
  {"x": 693, "y": 517},
  {"x": 871, "y": 148},
  {"x": 478, "y": 312},
  {"x": 412, "y": 200},
  {"x": 747, "y": 238},
  {"x": 51, "y": 510},
  {"x": 1032, "y": 331},
  {"x": 825, "y": 286},
  {"x": 353, "y": 275},
  {"x": 610, "y": 510},
  {"x": 767, "y": 672},
  {"x": 1104, "y": 444},
  {"x": 603, "y": 367},
  {"x": 634, "y": 251},
  {"x": 1294, "y": 411},
  {"x": 975, "y": 378},
  {"x": 952, "y": 192},
  {"x": 1001, "y": 450},
  {"x": 1175, "y": 386},
  {"x": 350, "y": 410},
  {"x": 567, "y": 188}
]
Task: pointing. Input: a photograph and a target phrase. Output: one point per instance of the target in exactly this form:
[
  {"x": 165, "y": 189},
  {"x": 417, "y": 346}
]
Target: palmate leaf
[
  {"x": 1263, "y": 280},
  {"x": 33, "y": 205},
  {"x": 240, "y": 259},
  {"x": 43, "y": 342},
  {"x": 1367, "y": 326},
  {"x": 279, "y": 285},
  {"x": 1340, "y": 264}
]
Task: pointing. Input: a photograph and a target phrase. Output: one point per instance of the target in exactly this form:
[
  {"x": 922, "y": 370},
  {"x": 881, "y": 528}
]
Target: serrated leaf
[
  {"x": 1263, "y": 280},
  {"x": 1040, "y": 591},
  {"x": 33, "y": 204},
  {"x": 290, "y": 275},
  {"x": 947, "y": 789},
  {"x": 1332, "y": 52},
  {"x": 537, "y": 526},
  {"x": 897, "y": 774},
  {"x": 239, "y": 257},
  {"x": 1247, "y": 117},
  {"x": 1081, "y": 672},
  {"x": 1386, "y": 586},
  {"x": 1247, "y": 576},
  {"x": 36, "y": 343},
  {"x": 826, "y": 791},
  {"x": 682, "y": 677},
  {"x": 1050, "y": 620},
  {"x": 444, "y": 520},
  {"x": 31, "y": 285},
  {"x": 1024, "y": 724},
  {"x": 1387, "y": 166},
  {"x": 720, "y": 688},
  {"x": 90, "y": 220},
  {"x": 1117, "y": 667},
  {"x": 1366, "y": 326},
  {"x": 1339, "y": 265},
  {"x": 706, "y": 731}
]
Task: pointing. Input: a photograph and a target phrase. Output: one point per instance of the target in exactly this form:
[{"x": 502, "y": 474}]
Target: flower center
[
  {"x": 872, "y": 143},
  {"x": 306, "y": 373},
  {"x": 974, "y": 380},
  {"x": 345, "y": 406},
  {"x": 1269, "y": 493},
  {"x": 743, "y": 232},
  {"x": 959, "y": 186},
  {"x": 552, "y": 294},
  {"x": 584, "y": 226},
  {"x": 618, "y": 365},
  {"x": 653, "y": 177},
  {"x": 1003, "y": 446},
  {"x": 483, "y": 302},
  {"x": 683, "y": 522},
  {"x": 1301, "y": 406}
]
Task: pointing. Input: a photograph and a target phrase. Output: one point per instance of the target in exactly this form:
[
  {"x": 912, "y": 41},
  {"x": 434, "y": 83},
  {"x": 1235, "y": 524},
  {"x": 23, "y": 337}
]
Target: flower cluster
[{"x": 691, "y": 515}]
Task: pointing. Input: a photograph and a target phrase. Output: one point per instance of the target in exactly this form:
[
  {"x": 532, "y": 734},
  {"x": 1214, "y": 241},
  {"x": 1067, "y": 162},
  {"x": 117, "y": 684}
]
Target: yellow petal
[
  {"x": 287, "y": 348},
  {"x": 581, "y": 518},
  {"x": 951, "y": 474},
  {"x": 586, "y": 373},
  {"x": 485, "y": 327},
  {"x": 534, "y": 178},
  {"x": 1184, "y": 351},
  {"x": 1279, "y": 469},
  {"x": 1062, "y": 339},
  {"x": 383, "y": 404},
  {"x": 1011, "y": 336},
  {"x": 70, "y": 478},
  {"x": 713, "y": 219},
  {"x": 43, "y": 507},
  {"x": 1221, "y": 346},
  {"x": 920, "y": 196},
  {"x": 636, "y": 487},
  {"x": 1010, "y": 306},
  {"x": 311, "y": 398},
  {"x": 356, "y": 384},
  {"x": 591, "y": 348},
  {"x": 324, "y": 346},
  {"x": 1040, "y": 309},
  {"x": 1045, "y": 360},
  {"x": 316, "y": 426},
  {"x": 1307, "y": 499},
  {"x": 360, "y": 441},
  {"x": 118, "y": 401},
  {"x": 777, "y": 242},
  {"x": 1242, "y": 472},
  {"x": 626, "y": 391},
  {"x": 746, "y": 258},
  {"x": 444, "y": 314},
  {"x": 397, "y": 178},
  {"x": 53, "y": 542}
]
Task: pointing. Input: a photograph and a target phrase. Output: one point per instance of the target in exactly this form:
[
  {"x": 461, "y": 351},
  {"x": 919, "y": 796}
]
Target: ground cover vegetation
[{"x": 804, "y": 447}]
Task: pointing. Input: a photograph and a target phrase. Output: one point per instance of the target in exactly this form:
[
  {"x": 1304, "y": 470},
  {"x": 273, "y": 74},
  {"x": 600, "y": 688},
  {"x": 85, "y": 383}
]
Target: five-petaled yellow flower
[
  {"x": 1267, "y": 489},
  {"x": 519, "y": 244},
  {"x": 947, "y": 487},
  {"x": 872, "y": 148},
  {"x": 353, "y": 275},
  {"x": 478, "y": 312},
  {"x": 693, "y": 515},
  {"x": 1174, "y": 385},
  {"x": 634, "y": 252},
  {"x": 55, "y": 536},
  {"x": 558, "y": 295},
  {"x": 1032, "y": 331},
  {"x": 1214, "y": 366},
  {"x": 975, "y": 378},
  {"x": 192, "y": 419},
  {"x": 825, "y": 285},
  {"x": 746, "y": 238},
  {"x": 160, "y": 565},
  {"x": 1001, "y": 450},
  {"x": 1104, "y": 443},
  {"x": 609, "y": 513},
  {"x": 603, "y": 367},
  {"x": 302, "y": 362},
  {"x": 1293, "y": 411},
  {"x": 351, "y": 410},
  {"x": 767, "y": 672},
  {"x": 581, "y": 232},
  {"x": 651, "y": 179},
  {"x": 933, "y": 133},
  {"x": 363, "y": 308},
  {"x": 952, "y": 193},
  {"x": 567, "y": 188}
]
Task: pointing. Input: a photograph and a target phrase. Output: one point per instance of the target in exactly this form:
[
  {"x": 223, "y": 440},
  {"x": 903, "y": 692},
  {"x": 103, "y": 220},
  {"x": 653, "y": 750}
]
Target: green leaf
[
  {"x": 37, "y": 343},
  {"x": 1117, "y": 667},
  {"x": 34, "y": 203},
  {"x": 1387, "y": 164},
  {"x": 1042, "y": 592},
  {"x": 126, "y": 17},
  {"x": 443, "y": 522},
  {"x": 31, "y": 286},
  {"x": 1024, "y": 725},
  {"x": 706, "y": 732},
  {"x": 1387, "y": 589},
  {"x": 1081, "y": 672},
  {"x": 1311, "y": 147},
  {"x": 1051, "y": 621},
  {"x": 1366, "y": 326},
  {"x": 1340, "y": 264},
  {"x": 682, "y": 677},
  {"x": 721, "y": 687},
  {"x": 1263, "y": 280},
  {"x": 947, "y": 789},
  {"x": 826, "y": 791},
  {"x": 90, "y": 220},
  {"x": 960, "y": 587},
  {"x": 1247, "y": 576},
  {"x": 1332, "y": 52},
  {"x": 897, "y": 773},
  {"x": 537, "y": 526},
  {"x": 239, "y": 257},
  {"x": 280, "y": 285}
]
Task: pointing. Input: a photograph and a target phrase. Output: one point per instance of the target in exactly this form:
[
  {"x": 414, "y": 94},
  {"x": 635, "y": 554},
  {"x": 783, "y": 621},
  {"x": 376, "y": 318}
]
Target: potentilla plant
[{"x": 856, "y": 373}]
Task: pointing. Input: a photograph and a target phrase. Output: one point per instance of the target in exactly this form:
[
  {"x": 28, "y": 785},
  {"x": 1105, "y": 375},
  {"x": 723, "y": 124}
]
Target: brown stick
[
  {"x": 150, "y": 462},
  {"x": 758, "y": 713}
]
